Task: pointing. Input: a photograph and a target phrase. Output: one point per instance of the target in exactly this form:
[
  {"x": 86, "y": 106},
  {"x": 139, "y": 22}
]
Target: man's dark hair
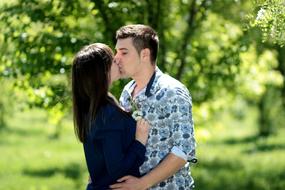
[{"x": 143, "y": 37}]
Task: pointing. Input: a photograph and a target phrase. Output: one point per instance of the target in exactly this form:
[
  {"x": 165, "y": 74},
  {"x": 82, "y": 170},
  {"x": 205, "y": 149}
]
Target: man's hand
[
  {"x": 128, "y": 183},
  {"x": 168, "y": 167}
]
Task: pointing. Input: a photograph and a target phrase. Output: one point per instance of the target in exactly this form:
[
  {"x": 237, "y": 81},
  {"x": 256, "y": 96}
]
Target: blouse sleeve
[{"x": 119, "y": 161}]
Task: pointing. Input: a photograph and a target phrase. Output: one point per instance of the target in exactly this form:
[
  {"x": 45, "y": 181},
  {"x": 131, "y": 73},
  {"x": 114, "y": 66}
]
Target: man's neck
[{"x": 142, "y": 80}]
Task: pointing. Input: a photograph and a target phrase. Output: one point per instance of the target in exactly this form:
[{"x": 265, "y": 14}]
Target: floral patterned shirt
[{"x": 166, "y": 104}]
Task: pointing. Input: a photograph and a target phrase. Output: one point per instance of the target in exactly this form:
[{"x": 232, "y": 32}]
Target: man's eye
[{"x": 124, "y": 53}]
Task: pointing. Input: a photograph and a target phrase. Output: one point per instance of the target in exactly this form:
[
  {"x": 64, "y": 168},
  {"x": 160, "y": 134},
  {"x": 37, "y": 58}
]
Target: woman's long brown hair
[{"x": 90, "y": 83}]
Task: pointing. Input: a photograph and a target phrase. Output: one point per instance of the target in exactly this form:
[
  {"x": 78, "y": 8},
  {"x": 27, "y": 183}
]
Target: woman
[{"x": 113, "y": 142}]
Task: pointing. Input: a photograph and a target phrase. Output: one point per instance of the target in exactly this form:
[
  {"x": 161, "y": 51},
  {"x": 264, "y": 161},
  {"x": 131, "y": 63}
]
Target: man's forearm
[{"x": 168, "y": 167}]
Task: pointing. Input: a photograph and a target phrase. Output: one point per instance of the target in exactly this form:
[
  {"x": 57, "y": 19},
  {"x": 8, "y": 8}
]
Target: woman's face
[{"x": 115, "y": 73}]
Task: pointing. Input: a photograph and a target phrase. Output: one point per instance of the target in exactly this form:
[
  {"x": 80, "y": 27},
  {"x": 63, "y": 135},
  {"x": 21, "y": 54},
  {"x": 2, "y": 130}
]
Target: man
[{"x": 165, "y": 103}]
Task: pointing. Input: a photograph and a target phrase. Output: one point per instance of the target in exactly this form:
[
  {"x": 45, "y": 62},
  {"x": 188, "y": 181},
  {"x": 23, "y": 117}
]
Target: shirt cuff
[{"x": 178, "y": 152}]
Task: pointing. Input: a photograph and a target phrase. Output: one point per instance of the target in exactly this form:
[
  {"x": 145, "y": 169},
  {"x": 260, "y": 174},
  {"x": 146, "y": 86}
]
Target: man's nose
[{"x": 116, "y": 59}]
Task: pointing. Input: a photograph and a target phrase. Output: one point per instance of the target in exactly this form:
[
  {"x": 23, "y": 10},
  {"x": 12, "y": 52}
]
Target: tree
[
  {"x": 38, "y": 41},
  {"x": 202, "y": 43},
  {"x": 270, "y": 18}
]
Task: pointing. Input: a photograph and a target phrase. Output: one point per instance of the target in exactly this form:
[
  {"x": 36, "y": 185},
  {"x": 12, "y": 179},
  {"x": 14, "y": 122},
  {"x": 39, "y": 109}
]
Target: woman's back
[
  {"x": 110, "y": 147},
  {"x": 113, "y": 141}
]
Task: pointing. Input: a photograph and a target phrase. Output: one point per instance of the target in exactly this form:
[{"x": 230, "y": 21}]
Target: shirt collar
[
  {"x": 149, "y": 85},
  {"x": 149, "y": 90}
]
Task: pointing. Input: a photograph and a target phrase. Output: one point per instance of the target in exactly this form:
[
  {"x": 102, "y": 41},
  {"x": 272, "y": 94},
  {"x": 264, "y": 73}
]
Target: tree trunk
[
  {"x": 281, "y": 68},
  {"x": 108, "y": 18},
  {"x": 263, "y": 121},
  {"x": 192, "y": 24},
  {"x": 157, "y": 14}
]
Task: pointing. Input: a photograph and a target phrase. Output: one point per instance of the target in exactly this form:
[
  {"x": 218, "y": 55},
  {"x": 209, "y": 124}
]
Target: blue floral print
[{"x": 168, "y": 109}]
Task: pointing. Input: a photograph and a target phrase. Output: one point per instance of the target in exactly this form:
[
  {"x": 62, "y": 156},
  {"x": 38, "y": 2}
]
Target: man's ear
[{"x": 145, "y": 54}]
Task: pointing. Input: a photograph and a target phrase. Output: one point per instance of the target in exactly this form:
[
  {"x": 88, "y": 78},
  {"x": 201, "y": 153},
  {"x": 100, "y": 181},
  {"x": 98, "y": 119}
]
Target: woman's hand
[{"x": 142, "y": 131}]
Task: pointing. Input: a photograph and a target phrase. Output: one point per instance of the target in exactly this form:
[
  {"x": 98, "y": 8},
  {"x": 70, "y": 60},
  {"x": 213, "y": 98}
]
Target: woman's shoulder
[
  {"x": 109, "y": 110},
  {"x": 115, "y": 118},
  {"x": 110, "y": 120}
]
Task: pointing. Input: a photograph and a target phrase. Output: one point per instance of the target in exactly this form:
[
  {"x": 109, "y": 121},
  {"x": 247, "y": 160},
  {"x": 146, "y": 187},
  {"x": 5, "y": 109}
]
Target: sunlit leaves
[
  {"x": 270, "y": 18},
  {"x": 42, "y": 38},
  {"x": 258, "y": 73},
  {"x": 214, "y": 57},
  {"x": 39, "y": 38}
]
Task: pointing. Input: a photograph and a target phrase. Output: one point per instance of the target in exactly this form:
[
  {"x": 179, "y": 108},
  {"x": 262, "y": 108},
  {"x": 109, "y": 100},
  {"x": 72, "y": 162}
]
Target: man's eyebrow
[{"x": 125, "y": 49}]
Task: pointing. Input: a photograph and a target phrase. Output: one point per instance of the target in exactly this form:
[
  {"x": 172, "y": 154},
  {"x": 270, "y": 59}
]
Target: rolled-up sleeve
[{"x": 182, "y": 125}]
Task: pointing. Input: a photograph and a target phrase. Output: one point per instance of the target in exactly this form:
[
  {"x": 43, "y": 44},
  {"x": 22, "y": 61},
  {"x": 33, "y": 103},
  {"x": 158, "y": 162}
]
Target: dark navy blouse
[{"x": 110, "y": 148}]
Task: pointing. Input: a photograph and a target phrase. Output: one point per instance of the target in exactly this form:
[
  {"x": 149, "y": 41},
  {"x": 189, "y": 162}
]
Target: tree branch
[
  {"x": 108, "y": 30},
  {"x": 192, "y": 24}
]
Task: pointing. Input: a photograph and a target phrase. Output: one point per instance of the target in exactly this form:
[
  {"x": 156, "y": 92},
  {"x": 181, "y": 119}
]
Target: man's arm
[{"x": 168, "y": 167}]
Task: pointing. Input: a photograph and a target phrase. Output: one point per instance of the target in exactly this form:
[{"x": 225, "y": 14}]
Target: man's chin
[{"x": 123, "y": 76}]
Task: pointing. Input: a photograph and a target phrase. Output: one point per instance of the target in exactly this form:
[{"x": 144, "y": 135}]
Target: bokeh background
[{"x": 229, "y": 53}]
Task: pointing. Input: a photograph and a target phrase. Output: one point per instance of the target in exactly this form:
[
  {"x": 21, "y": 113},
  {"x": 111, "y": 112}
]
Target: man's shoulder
[{"x": 168, "y": 83}]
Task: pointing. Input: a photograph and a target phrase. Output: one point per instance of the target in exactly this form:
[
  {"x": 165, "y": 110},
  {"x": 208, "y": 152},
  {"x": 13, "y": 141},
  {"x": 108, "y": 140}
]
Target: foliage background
[{"x": 229, "y": 53}]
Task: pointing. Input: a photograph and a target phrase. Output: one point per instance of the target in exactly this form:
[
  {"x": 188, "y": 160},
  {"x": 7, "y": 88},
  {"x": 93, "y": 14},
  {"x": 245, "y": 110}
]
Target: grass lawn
[
  {"x": 231, "y": 158},
  {"x": 32, "y": 160}
]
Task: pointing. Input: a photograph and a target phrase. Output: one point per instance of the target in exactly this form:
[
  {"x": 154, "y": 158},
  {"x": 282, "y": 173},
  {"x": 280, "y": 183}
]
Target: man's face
[{"x": 127, "y": 58}]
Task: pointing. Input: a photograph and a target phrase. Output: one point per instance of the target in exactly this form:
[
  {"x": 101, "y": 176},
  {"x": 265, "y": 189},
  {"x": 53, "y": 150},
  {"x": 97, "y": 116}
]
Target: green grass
[
  {"x": 234, "y": 158},
  {"x": 31, "y": 159},
  {"x": 230, "y": 158}
]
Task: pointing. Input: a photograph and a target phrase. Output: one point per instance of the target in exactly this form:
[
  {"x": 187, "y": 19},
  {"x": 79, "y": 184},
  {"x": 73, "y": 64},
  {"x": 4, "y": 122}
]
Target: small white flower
[
  {"x": 137, "y": 115},
  {"x": 260, "y": 14}
]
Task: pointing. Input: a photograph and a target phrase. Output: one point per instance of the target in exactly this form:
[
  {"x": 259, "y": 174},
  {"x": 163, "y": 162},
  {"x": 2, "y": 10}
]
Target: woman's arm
[{"x": 119, "y": 161}]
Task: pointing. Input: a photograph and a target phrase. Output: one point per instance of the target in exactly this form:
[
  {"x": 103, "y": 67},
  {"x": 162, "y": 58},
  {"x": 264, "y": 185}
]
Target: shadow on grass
[
  {"x": 258, "y": 146},
  {"x": 245, "y": 140},
  {"x": 73, "y": 171},
  {"x": 265, "y": 148},
  {"x": 235, "y": 174},
  {"x": 23, "y": 132},
  {"x": 220, "y": 164}
]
